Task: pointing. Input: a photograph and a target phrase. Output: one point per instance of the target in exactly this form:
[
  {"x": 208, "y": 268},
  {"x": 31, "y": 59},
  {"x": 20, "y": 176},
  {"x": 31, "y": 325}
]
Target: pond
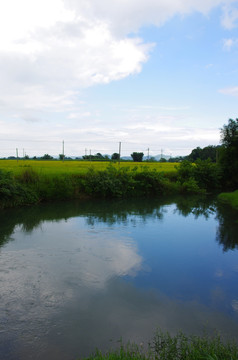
[{"x": 76, "y": 276}]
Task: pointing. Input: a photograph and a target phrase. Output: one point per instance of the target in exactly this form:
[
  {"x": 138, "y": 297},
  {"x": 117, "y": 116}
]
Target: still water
[{"x": 79, "y": 276}]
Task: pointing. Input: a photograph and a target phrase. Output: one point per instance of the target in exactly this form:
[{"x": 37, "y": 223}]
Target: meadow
[{"x": 78, "y": 167}]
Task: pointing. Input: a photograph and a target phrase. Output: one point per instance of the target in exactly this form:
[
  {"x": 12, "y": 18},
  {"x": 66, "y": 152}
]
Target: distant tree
[
  {"x": 208, "y": 152},
  {"x": 115, "y": 156},
  {"x": 176, "y": 159},
  {"x": 195, "y": 154},
  {"x": 137, "y": 156},
  {"x": 97, "y": 157},
  {"x": 47, "y": 157},
  {"x": 228, "y": 154},
  {"x": 61, "y": 156},
  {"x": 162, "y": 160}
]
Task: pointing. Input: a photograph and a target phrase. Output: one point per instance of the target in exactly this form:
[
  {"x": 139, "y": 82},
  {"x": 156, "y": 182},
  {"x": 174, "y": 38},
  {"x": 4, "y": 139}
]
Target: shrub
[
  {"x": 207, "y": 174},
  {"x": 12, "y": 193},
  {"x": 201, "y": 176},
  {"x": 28, "y": 176}
]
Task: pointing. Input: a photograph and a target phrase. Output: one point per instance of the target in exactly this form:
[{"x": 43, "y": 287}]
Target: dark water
[{"x": 76, "y": 276}]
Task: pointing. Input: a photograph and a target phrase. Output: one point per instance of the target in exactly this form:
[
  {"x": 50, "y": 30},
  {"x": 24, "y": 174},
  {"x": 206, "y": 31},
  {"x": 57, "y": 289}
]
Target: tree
[
  {"x": 229, "y": 133},
  {"x": 115, "y": 156},
  {"x": 47, "y": 157},
  {"x": 137, "y": 156},
  {"x": 228, "y": 154},
  {"x": 61, "y": 156},
  {"x": 97, "y": 157},
  {"x": 208, "y": 152}
]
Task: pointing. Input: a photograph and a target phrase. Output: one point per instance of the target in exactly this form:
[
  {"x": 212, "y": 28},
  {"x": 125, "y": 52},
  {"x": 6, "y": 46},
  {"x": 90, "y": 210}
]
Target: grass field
[{"x": 77, "y": 167}]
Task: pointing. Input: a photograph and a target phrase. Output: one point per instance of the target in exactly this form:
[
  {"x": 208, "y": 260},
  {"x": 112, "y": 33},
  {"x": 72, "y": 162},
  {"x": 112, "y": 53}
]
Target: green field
[{"x": 77, "y": 167}]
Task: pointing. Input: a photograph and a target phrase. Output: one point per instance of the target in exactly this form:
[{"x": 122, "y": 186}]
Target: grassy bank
[
  {"x": 26, "y": 184},
  {"x": 179, "y": 347},
  {"x": 229, "y": 198},
  {"x": 30, "y": 186}
]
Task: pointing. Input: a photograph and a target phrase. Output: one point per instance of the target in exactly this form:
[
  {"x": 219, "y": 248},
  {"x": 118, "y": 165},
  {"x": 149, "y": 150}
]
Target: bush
[
  {"x": 207, "y": 175},
  {"x": 201, "y": 176},
  {"x": 108, "y": 183},
  {"x": 28, "y": 176},
  {"x": 12, "y": 193},
  {"x": 125, "y": 182}
]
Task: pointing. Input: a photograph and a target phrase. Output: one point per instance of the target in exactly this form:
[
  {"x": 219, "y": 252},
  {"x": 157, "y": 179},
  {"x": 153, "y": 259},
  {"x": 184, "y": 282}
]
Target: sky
[{"x": 152, "y": 74}]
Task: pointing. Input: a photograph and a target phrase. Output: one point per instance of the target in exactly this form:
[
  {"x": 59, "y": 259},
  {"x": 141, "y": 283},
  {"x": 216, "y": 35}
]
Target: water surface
[{"x": 76, "y": 276}]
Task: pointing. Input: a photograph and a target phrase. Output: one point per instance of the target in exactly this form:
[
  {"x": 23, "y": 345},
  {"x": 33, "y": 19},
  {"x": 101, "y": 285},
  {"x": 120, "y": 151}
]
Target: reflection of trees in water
[
  {"x": 227, "y": 232},
  {"x": 199, "y": 205},
  {"x": 121, "y": 212},
  {"x": 94, "y": 211}
]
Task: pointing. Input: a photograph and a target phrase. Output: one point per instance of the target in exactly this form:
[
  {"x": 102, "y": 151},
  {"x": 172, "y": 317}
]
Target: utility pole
[
  {"x": 119, "y": 152},
  {"x": 85, "y": 152},
  {"x": 90, "y": 155},
  {"x": 161, "y": 154},
  {"x": 63, "y": 150},
  {"x": 148, "y": 155},
  {"x": 17, "y": 154}
]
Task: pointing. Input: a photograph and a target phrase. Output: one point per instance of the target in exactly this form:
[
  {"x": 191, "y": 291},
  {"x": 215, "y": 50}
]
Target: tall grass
[{"x": 178, "y": 347}]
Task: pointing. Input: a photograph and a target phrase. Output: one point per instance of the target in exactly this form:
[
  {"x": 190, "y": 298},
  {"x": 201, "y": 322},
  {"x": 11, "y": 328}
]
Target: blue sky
[{"x": 149, "y": 74}]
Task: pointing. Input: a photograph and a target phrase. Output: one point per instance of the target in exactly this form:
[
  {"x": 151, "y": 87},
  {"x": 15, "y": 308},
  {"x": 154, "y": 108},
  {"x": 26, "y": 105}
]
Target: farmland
[{"x": 56, "y": 167}]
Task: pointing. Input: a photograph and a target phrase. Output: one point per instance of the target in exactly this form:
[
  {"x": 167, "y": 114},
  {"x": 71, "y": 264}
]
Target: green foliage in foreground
[
  {"x": 229, "y": 198},
  {"x": 179, "y": 347}
]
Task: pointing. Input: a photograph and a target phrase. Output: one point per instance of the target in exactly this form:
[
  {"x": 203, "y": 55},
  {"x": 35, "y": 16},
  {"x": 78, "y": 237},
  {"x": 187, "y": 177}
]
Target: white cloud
[
  {"x": 230, "y": 17},
  {"x": 230, "y": 91},
  {"x": 128, "y": 16},
  {"x": 51, "y": 50},
  {"x": 51, "y": 63},
  {"x": 48, "y": 50},
  {"x": 228, "y": 44}
]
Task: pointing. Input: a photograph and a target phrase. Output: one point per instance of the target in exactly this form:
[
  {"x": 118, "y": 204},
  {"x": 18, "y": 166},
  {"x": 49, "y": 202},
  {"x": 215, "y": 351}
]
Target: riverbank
[
  {"x": 30, "y": 186},
  {"x": 178, "y": 347},
  {"x": 229, "y": 198}
]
